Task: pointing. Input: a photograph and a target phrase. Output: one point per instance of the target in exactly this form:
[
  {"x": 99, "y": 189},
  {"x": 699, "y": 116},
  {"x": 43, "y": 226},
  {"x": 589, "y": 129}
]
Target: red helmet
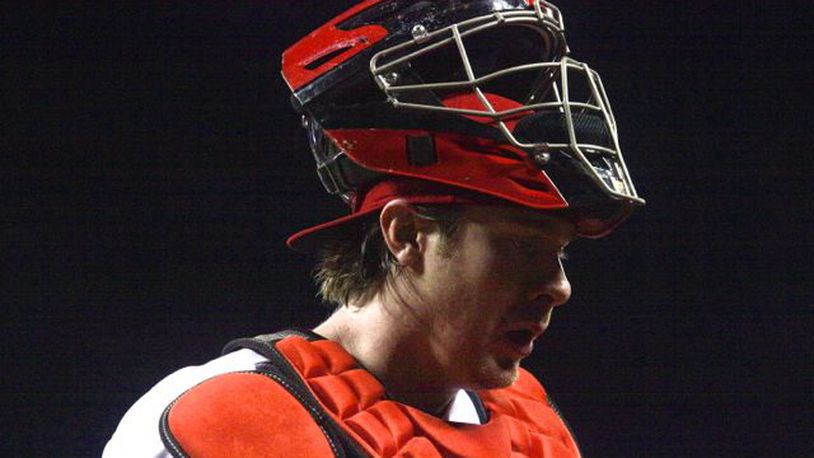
[{"x": 472, "y": 98}]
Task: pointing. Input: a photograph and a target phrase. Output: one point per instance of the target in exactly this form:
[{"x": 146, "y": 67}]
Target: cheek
[
  {"x": 475, "y": 285},
  {"x": 483, "y": 298},
  {"x": 497, "y": 276}
]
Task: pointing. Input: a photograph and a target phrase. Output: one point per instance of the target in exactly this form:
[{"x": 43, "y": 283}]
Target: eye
[
  {"x": 522, "y": 251},
  {"x": 520, "y": 244},
  {"x": 523, "y": 247},
  {"x": 526, "y": 251}
]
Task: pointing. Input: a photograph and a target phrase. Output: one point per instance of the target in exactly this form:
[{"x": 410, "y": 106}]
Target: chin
[{"x": 497, "y": 374}]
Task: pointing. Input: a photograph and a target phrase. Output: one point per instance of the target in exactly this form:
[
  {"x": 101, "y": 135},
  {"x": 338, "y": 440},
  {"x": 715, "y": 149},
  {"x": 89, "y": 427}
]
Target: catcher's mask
[{"x": 471, "y": 97}]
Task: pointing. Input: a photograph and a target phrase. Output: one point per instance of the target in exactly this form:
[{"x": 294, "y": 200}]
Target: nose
[{"x": 551, "y": 285}]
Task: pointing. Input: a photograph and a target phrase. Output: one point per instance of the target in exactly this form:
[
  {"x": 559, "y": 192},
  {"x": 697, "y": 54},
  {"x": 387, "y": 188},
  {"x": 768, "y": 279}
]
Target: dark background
[{"x": 151, "y": 168}]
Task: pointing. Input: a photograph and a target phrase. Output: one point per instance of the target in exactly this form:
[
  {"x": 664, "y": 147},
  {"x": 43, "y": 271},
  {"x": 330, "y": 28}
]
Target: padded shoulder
[
  {"x": 329, "y": 406},
  {"x": 246, "y": 414}
]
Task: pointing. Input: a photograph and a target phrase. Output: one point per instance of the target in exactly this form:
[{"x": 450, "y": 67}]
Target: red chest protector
[{"x": 313, "y": 400}]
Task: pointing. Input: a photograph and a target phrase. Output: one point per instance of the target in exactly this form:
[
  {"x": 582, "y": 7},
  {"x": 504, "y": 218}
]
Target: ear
[{"x": 404, "y": 232}]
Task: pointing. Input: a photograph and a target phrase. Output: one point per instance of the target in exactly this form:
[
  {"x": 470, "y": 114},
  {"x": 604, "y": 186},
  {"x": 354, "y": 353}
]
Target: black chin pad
[{"x": 551, "y": 127}]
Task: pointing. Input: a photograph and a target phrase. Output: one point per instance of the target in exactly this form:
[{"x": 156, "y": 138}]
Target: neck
[{"x": 386, "y": 345}]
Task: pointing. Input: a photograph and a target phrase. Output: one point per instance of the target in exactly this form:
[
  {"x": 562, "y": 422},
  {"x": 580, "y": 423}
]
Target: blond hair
[{"x": 356, "y": 267}]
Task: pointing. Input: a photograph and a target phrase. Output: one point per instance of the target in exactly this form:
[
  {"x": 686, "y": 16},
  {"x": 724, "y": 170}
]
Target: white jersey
[{"x": 138, "y": 435}]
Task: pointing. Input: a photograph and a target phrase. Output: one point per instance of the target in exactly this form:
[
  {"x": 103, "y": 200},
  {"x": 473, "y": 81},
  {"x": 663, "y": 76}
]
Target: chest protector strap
[{"x": 313, "y": 400}]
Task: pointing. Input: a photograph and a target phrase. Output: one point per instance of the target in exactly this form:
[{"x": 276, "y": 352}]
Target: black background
[{"x": 151, "y": 168}]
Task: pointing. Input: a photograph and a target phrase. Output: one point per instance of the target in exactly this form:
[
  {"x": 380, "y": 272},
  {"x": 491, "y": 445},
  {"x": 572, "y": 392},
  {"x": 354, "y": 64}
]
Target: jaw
[
  {"x": 491, "y": 368},
  {"x": 501, "y": 373}
]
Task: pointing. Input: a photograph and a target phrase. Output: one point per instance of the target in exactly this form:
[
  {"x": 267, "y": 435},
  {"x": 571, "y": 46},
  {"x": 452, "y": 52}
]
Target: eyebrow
[
  {"x": 538, "y": 220},
  {"x": 532, "y": 219},
  {"x": 543, "y": 222}
]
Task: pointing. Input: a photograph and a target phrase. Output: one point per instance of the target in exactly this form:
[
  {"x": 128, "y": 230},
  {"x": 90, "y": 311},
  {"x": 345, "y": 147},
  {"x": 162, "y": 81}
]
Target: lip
[{"x": 520, "y": 338}]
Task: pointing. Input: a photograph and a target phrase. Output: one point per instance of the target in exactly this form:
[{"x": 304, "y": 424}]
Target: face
[{"x": 486, "y": 299}]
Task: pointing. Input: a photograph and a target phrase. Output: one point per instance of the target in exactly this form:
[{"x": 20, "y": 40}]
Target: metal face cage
[{"x": 522, "y": 96}]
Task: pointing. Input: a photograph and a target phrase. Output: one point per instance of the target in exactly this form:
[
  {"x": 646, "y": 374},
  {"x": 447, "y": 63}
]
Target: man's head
[{"x": 472, "y": 149}]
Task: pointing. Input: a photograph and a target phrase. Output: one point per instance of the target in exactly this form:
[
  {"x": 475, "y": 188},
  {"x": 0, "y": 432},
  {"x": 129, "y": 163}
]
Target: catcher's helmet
[{"x": 475, "y": 98}]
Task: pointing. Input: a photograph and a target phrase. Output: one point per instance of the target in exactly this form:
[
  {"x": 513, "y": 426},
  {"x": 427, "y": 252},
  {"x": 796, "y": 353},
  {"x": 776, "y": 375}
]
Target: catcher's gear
[{"x": 472, "y": 96}]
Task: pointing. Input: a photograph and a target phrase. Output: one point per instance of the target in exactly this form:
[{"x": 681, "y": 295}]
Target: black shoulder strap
[
  {"x": 483, "y": 414},
  {"x": 264, "y": 343}
]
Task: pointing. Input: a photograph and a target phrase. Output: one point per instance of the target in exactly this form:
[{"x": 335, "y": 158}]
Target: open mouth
[{"x": 520, "y": 340}]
